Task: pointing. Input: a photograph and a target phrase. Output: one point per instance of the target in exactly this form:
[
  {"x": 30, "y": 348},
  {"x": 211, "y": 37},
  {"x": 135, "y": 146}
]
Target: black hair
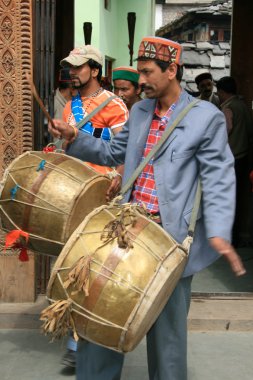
[
  {"x": 95, "y": 65},
  {"x": 135, "y": 84},
  {"x": 203, "y": 76},
  {"x": 164, "y": 65},
  {"x": 227, "y": 84}
]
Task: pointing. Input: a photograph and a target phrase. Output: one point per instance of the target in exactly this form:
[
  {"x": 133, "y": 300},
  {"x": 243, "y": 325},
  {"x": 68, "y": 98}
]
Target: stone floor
[
  {"x": 218, "y": 278},
  {"x": 28, "y": 355}
]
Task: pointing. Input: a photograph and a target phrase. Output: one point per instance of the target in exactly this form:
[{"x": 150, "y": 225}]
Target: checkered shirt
[{"x": 145, "y": 192}]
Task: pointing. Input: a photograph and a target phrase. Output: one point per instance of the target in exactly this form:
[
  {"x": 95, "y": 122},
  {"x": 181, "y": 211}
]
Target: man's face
[
  {"x": 206, "y": 88},
  {"x": 126, "y": 90},
  {"x": 80, "y": 75},
  {"x": 153, "y": 81}
]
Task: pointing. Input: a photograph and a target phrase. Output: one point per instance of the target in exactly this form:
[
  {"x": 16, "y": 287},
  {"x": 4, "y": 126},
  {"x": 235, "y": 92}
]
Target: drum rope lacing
[
  {"x": 90, "y": 259},
  {"x": 56, "y": 209},
  {"x": 89, "y": 315},
  {"x": 30, "y": 234}
]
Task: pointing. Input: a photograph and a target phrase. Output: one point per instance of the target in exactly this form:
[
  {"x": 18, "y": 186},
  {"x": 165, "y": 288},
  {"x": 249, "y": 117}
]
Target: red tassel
[
  {"x": 12, "y": 240},
  {"x": 49, "y": 148},
  {"x": 23, "y": 256}
]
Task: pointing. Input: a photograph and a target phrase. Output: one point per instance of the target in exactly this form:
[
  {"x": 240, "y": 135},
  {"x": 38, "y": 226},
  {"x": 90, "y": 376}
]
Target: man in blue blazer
[{"x": 196, "y": 149}]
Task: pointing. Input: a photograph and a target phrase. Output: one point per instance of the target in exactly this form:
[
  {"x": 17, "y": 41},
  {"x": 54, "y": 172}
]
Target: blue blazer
[{"x": 197, "y": 148}]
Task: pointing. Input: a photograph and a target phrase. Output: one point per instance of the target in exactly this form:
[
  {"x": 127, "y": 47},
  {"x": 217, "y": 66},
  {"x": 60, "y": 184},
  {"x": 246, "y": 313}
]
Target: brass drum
[
  {"x": 127, "y": 287},
  {"x": 48, "y": 195}
]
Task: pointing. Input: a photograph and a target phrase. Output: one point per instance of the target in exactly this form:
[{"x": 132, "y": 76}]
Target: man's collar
[{"x": 228, "y": 100}]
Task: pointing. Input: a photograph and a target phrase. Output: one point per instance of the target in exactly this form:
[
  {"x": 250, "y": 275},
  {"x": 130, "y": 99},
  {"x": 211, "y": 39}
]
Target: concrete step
[
  {"x": 206, "y": 314},
  {"x": 221, "y": 314}
]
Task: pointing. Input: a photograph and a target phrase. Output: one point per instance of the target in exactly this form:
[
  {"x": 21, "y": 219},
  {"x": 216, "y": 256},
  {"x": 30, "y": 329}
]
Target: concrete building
[{"x": 205, "y": 33}]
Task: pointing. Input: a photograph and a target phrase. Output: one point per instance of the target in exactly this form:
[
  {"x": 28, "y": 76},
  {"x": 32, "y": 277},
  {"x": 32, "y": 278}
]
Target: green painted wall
[{"x": 109, "y": 27}]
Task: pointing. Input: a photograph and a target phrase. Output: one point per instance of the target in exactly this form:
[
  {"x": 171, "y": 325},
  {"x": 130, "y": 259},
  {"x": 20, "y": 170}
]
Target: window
[
  {"x": 214, "y": 35},
  {"x": 219, "y": 34}
]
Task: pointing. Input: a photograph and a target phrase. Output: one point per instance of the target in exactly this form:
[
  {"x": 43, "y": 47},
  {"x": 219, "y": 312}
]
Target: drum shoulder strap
[{"x": 95, "y": 111}]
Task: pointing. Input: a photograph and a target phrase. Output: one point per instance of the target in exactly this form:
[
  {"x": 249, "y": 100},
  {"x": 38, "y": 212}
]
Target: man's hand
[
  {"x": 116, "y": 183},
  {"x": 114, "y": 188},
  {"x": 224, "y": 248},
  {"x": 61, "y": 130}
]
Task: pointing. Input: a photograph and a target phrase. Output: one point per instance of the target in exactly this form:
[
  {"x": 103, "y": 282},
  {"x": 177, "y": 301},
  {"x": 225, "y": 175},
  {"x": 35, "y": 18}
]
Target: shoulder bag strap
[{"x": 95, "y": 111}]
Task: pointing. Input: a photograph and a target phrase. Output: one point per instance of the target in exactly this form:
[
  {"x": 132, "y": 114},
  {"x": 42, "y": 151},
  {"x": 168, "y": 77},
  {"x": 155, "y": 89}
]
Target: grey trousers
[{"x": 166, "y": 345}]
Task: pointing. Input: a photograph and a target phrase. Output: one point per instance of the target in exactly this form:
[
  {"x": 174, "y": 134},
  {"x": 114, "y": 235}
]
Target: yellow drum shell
[
  {"x": 50, "y": 203},
  {"x": 128, "y": 287}
]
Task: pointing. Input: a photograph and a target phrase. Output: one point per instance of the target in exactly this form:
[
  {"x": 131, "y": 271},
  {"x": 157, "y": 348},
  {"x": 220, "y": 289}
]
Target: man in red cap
[{"x": 197, "y": 149}]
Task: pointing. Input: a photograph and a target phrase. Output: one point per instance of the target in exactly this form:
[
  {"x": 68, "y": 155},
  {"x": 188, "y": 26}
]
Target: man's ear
[
  {"x": 94, "y": 72},
  {"x": 172, "y": 71}
]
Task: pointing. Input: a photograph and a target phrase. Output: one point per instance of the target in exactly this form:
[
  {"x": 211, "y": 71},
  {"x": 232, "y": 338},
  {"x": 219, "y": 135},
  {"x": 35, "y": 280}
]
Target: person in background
[
  {"x": 196, "y": 149},
  {"x": 126, "y": 86},
  {"x": 63, "y": 93},
  {"x": 240, "y": 139},
  {"x": 205, "y": 84}
]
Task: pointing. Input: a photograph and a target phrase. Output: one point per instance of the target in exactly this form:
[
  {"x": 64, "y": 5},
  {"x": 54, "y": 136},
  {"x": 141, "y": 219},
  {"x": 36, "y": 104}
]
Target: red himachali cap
[{"x": 161, "y": 49}]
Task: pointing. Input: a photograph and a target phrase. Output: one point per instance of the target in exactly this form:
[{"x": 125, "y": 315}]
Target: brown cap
[{"x": 81, "y": 55}]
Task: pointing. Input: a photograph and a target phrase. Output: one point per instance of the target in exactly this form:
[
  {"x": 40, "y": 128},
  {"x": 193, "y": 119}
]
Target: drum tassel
[
  {"x": 58, "y": 319},
  {"x": 79, "y": 276}
]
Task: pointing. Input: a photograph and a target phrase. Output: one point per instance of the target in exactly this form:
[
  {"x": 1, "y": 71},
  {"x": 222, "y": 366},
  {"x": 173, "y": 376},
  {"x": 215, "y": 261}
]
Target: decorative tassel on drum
[
  {"x": 17, "y": 239},
  {"x": 58, "y": 319},
  {"x": 117, "y": 228},
  {"x": 79, "y": 276}
]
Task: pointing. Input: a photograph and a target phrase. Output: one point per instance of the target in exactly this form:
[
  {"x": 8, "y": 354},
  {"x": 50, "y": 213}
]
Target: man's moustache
[{"x": 146, "y": 87}]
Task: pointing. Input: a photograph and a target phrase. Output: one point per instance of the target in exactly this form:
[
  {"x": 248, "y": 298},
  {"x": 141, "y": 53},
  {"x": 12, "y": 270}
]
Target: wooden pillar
[
  {"x": 242, "y": 71},
  {"x": 16, "y": 127},
  {"x": 241, "y": 51}
]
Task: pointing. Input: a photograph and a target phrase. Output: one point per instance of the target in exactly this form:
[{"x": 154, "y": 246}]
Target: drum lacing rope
[
  {"x": 30, "y": 234},
  {"x": 136, "y": 239},
  {"x": 56, "y": 209},
  {"x": 136, "y": 210},
  {"x": 89, "y": 315},
  {"x": 120, "y": 281},
  {"x": 58, "y": 169},
  {"x": 79, "y": 273}
]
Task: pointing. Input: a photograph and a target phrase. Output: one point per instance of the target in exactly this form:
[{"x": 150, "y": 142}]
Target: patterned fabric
[
  {"x": 78, "y": 112},
  {"x": 145, "y": 192},
  {"x": 113, "y": 115},
  {"x": 160, "y": 48}
]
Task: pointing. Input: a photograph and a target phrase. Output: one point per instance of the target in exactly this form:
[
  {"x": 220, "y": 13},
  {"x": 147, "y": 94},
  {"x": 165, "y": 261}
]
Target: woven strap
[
  {"x": 58, "y": 142},
  {"x": 95, "y": 111}
]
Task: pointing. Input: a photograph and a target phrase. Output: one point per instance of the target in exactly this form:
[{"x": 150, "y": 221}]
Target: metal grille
[
  {"x": 44, "y": 60},
  {"x": 53, "y": 26},
  {"x": 45, "y": 11}
]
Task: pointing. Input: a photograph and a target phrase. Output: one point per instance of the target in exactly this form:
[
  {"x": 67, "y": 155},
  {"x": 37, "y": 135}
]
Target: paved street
[{"x": 28, "y": 355}]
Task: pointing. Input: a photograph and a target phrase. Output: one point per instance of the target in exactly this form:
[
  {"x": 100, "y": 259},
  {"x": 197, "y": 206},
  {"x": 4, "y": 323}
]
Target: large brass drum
[
  {"x": 48, "y": 195},
  {"x": 128, "y": 287}
]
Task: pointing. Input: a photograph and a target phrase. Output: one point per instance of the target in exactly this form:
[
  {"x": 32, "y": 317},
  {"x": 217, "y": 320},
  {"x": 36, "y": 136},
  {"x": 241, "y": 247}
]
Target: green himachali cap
[{"x": 125, "y": 73}]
